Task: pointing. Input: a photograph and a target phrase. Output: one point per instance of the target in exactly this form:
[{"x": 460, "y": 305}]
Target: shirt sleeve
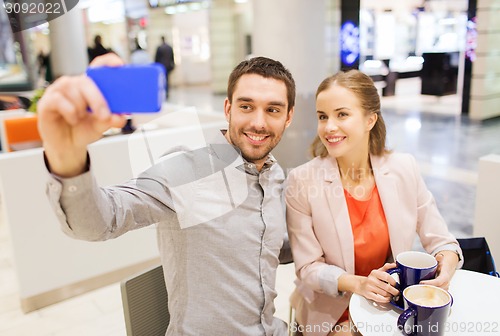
[{"x": 89, "y": 212}]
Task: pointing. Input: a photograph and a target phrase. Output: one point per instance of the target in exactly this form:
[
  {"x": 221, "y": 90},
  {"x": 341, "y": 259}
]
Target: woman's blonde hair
[{"x": 363, "y": 88}]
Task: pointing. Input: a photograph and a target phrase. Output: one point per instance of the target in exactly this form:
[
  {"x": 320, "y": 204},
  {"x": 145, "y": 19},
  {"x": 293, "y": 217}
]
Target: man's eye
[{"x": 273, "y": 110}]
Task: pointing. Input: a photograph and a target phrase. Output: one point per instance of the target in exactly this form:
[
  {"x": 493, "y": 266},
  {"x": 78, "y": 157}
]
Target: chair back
[
  {"x": 477, "y": 256},
  {"x": 21, "y": 133},
  {"x": 145, "y": 303},
  {"x": 9, "y": 114}
]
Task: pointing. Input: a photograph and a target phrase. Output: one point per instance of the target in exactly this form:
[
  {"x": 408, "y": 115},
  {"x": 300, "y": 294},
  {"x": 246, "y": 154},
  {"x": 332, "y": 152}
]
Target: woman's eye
[{"x": 322, "y": 117}]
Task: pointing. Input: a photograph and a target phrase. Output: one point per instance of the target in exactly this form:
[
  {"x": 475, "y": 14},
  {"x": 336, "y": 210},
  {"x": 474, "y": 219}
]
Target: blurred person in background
[{"x": 165, "y": 56}]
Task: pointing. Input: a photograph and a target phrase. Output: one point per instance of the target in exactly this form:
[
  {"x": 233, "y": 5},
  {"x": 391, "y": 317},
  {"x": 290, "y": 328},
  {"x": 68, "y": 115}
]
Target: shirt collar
[{"x": 229, "y": 153}]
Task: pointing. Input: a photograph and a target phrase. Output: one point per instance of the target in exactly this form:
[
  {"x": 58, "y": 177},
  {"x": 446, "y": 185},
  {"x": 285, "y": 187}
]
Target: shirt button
[{"x": 72, "y": 188}]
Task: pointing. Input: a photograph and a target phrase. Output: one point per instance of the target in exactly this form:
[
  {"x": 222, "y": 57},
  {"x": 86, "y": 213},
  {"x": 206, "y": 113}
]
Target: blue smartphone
[{"x": 131, "y": 88}]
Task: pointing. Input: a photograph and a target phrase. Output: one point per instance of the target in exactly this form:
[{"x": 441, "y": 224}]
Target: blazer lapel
[
  {"x": 388, "y": 191},
  {"x": 334, "y": 192}
]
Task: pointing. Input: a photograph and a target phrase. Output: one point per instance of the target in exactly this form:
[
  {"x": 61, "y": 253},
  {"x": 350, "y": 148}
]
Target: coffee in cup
[{"x": 429, "y": 306}]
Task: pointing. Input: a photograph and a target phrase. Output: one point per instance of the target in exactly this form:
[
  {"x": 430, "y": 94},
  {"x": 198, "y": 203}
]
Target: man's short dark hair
[{"x": 267, "y": 68}]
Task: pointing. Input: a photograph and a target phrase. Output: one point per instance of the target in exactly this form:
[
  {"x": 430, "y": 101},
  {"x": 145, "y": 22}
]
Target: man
[
  {"x": 98, "y": 49},
  {"x": 139, "y": 56},
  {"x": 165, "y": 56},
  {"x": 219, "y": 257}
]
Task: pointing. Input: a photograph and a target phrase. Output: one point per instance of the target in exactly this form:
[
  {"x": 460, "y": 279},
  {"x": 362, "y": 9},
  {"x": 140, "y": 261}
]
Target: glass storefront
[
  {"x": 395, "y": 35},
  {"x": 15, "y": 60}
]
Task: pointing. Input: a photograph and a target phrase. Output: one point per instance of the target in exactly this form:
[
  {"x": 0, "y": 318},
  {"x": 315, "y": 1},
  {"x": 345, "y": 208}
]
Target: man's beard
[{"x": 253, "y": 155}]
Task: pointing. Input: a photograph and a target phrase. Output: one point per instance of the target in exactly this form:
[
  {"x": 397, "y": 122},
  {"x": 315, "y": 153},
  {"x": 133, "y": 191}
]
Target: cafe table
[{"x": 475, "y": 309}]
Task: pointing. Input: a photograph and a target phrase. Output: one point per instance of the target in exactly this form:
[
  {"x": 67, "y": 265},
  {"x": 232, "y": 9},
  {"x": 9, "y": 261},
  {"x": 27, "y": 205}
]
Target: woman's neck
[
  {"x": 355, "y": 170},
  {"x": 357, "y": 177}
]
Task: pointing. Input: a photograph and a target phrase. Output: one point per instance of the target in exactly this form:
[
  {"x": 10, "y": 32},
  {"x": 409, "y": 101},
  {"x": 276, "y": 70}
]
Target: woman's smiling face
[{"x": 343, "y": 127}]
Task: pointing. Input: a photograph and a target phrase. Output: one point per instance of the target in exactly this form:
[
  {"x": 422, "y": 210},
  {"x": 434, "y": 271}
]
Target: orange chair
[{"x": 21, "y": 133}]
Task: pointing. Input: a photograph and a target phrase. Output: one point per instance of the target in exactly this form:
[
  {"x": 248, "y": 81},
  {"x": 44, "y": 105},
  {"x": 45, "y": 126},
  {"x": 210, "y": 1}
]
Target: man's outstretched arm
[{"x": 65, "y": 123}]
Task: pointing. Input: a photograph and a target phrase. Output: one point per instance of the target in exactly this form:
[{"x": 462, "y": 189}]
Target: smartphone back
[{"x": 131, "y": 88}]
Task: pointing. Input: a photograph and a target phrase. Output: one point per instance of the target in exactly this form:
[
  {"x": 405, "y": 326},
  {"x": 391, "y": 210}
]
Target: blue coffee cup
[
  {"x": 413, "y": 267},
  {"x": 429, "y": 306}
]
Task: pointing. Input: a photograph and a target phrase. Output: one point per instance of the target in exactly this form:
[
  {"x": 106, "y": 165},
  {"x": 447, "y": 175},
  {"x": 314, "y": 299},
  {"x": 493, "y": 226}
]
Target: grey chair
[
  {"x": 145, "y": 300},
  {"x": 145, "y": 303}
]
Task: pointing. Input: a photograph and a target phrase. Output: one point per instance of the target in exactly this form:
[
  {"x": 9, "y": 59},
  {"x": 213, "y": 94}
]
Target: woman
[{"x": 354, "y": 207}]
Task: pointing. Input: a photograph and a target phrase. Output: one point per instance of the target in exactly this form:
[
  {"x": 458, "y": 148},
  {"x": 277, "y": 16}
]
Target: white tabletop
[{"x": 476, "y": 299}]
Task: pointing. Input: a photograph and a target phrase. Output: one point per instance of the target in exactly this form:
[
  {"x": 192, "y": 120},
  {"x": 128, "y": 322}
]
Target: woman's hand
[
  {"x": 378, "y": 286},
  {"x": 447, "y": 264}
]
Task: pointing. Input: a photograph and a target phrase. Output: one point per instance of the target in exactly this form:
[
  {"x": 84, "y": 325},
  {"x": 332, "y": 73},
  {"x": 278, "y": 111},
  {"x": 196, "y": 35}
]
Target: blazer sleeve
[
  {"x": 310, "y": 265},
  {"x": 431, "y": 227}
]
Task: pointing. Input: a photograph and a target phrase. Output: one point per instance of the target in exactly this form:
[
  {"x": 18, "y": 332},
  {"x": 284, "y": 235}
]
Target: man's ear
[
  {"x": 227, "y": 109},
  {"x": 289, "y": 117}
]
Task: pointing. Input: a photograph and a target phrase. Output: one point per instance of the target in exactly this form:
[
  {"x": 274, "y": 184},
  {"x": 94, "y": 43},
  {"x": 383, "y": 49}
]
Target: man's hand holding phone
[
  {"x": 131, "y": 88},
  {"x": 65, "y": 123}
]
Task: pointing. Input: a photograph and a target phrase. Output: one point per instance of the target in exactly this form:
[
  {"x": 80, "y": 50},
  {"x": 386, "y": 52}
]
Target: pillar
[
  {"x": 484, "y": 32},
  {"x": 68, "y": 54},
  {"x": 332, "y": 43},
  {"x": 293, "y": 32},
  {"x": 223, "y": 43},
  {"x": 487, "y": 212}
]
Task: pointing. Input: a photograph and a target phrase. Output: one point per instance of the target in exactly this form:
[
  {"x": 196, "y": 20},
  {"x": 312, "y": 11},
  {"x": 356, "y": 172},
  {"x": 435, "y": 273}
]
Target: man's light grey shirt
[{"x": 220, "y": 266}]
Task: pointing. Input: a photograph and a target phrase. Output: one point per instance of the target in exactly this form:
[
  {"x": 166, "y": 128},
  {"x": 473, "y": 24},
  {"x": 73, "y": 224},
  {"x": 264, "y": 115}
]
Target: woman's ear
[{"x": 372, "y": 119}]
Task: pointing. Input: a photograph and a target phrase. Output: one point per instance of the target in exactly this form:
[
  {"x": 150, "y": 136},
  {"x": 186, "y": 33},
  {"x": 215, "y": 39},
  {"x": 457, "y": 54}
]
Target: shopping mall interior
[{"x": 434, "y": 62}]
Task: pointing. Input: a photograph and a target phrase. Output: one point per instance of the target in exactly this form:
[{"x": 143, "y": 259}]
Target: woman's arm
[
  {"x": 308, "y": 255},
  {"x": 435, "y": 236}
]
